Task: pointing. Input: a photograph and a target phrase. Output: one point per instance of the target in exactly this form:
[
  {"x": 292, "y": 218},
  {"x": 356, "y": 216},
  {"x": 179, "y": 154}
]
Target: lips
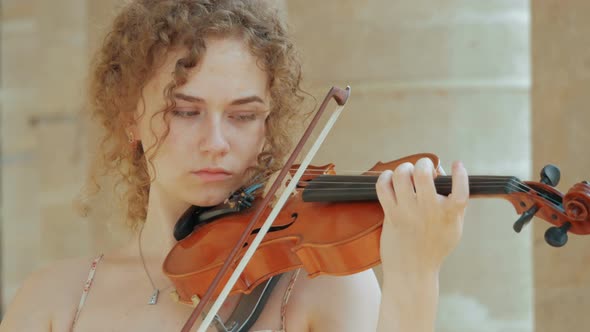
[
  {"x": 213, "y": 170},
  {"x": 211, "y": 174}
]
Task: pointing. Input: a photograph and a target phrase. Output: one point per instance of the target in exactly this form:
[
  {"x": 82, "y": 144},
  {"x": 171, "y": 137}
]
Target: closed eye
[
  {"x": 244, "y": 116},
  {"x": 184, "y": 113}
]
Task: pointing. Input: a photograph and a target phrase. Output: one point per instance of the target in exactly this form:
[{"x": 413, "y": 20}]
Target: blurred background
[{"x": 501, "y": 85}]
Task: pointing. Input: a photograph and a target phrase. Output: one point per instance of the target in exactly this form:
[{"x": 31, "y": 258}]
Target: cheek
[
  {"x": 260, "y": 139},
  {"x": 250, "y": 144},
  {"x": 167, "y": 145},
  {"x": 261, "y": 135}
]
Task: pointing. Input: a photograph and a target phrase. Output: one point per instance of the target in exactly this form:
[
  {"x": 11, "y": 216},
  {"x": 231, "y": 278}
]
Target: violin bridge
[
  {"x": 195, "y": 299},
  {"x": 174, "y": 295}
]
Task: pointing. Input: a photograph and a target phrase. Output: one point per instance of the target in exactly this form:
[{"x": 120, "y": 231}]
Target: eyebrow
[{"x": 239, "y": 101}]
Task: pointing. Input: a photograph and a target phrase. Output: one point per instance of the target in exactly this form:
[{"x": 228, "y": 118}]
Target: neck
[
  {"x": 339, "y": 188},
  {"x": 157, "y": 235}
]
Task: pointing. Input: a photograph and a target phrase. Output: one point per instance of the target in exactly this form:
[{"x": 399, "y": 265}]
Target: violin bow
[{"x": 341, "y": 97}]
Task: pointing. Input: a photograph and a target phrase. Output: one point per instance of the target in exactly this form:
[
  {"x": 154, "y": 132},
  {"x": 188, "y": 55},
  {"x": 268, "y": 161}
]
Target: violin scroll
[
  {"x": 567, "y": 213},
  {"x": 577, "y": 202}
]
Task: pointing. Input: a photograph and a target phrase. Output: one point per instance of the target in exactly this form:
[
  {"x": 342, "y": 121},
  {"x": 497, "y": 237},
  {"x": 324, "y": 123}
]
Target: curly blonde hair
[{"x": 141, "y": 35}]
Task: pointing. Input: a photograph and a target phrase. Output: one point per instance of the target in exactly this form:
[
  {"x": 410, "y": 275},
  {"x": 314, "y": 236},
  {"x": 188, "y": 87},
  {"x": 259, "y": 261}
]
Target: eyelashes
[
  {"x": 245, "y": 117},
  {"x": 238, "y": 116},
  {"x": 184, "y": 114}
]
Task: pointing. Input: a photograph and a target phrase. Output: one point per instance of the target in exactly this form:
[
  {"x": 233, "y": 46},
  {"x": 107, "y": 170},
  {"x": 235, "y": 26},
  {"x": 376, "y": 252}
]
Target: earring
[{"x": 130, "y": 137}]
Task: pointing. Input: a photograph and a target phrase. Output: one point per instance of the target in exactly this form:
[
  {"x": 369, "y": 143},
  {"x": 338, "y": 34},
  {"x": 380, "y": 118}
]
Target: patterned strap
[
  {"x": 286, "y": 298},
  {"x": 87, "y": 286}
]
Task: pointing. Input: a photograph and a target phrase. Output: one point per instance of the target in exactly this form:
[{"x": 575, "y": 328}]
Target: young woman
[{"x": 195, "y": 97}]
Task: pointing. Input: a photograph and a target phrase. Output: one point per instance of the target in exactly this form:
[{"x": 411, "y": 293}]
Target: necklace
[{"x": 154, "y": 297}]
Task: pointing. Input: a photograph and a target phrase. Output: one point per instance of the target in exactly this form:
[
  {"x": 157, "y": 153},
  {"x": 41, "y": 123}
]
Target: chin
[
  {"x": 208, "y": 202},
  {"x": 209, "y": 197}
]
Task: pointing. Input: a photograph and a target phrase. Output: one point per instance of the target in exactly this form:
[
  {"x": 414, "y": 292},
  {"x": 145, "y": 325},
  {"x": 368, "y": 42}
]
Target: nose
[{"x": 214, "y": 140}]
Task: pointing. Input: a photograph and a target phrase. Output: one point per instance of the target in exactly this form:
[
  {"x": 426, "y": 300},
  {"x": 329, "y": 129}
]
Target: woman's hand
[{"x": 420, "y": 227}]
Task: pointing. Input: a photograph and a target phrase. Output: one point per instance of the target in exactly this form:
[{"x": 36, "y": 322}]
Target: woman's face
[{"x": 217, "y": 128}]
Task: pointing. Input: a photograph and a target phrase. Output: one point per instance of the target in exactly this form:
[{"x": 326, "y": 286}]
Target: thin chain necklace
[{"x": 154, "y": 298}]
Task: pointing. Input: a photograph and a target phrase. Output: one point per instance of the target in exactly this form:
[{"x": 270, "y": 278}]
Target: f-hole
[{"x": 275, "y": 228}]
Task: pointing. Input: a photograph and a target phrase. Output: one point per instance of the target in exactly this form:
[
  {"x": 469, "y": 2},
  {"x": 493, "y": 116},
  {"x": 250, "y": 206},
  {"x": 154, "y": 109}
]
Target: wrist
[
  {"x": 408, "y": 278},
  {"x": 409, "y": 301}
]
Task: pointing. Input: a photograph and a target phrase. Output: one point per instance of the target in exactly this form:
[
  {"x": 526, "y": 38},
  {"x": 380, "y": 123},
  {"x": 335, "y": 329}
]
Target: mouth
[{"x": 212, "y": 174}]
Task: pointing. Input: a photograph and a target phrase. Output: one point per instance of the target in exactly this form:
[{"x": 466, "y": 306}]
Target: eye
[
  {"x": 250, "y": 116},
  {"x": 184, "y": 113}
]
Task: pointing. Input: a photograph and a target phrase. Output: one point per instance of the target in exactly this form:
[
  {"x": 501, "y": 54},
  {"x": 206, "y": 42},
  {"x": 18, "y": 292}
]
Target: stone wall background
[{"x": 500, "y": 85}]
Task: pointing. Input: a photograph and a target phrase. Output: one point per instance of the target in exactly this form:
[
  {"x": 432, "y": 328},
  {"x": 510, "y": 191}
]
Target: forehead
[{"x": 227, "y": 68}]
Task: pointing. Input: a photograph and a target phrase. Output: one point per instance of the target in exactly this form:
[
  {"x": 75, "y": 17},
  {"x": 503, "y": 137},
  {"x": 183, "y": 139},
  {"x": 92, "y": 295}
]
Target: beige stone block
[
  {"x": 63, "y": 66},
  {"x": 45, "y": 50},
  {"x": 20, "y": 222},
  {"x": 561, "y": 77},
  {"x": 16, "y": 9},
  {"x": 61, "y": 15},
  {"x": 489, "y": 275},
  {"x": 562, "y": 308},
  {"x": 408, "y": 41},
  {"x": 20, "y": 186},
  {"x": 560, "y": 124},
  {"x": 15, "y": 100},
  {"x": 20, "y": 53},
  {"x": 489, "y": 131},
  {"x": 100, "y": 15},
  {"x": 558, "y": 55},
  {"x": 17, "y": 133},
  {"x": 61, "y": 153},
  {"x": 564, "y": 267}
]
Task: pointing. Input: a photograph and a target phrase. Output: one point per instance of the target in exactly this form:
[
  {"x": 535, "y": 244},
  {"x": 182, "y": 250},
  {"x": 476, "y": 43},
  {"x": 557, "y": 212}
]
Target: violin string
[
  {"x": 518, "y": 187},
  {"x": 371, "y": 174},
  {"x": 501, "y": 180},
  {"x": 492, "y": 181},
  {"x": 480, "y": 178},
  {"x": 369, "y": 185},
  {"x": 359, "y": 173}
]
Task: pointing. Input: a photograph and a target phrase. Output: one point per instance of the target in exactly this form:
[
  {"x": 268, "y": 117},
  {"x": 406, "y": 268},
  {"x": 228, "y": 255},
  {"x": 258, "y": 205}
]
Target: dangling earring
[
  {"x": 131, "y": 137},
  {"x": 132, "y": 141}
]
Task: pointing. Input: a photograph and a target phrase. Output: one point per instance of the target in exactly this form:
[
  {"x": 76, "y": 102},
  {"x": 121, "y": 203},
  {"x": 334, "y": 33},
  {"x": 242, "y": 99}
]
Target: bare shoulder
[
  {"x": 48, "y": 297},
  {"x": 343, "y": 303}
]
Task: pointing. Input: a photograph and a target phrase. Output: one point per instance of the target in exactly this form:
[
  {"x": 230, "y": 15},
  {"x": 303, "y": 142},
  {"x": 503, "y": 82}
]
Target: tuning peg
[
  {"x": 550, "y": 175},
  {"x": 525, "y": 218},
  {"x": 557, "y": 236}
]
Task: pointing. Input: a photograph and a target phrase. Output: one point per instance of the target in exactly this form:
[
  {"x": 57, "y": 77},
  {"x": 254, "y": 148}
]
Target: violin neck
[{"x": 342, "y": 188}]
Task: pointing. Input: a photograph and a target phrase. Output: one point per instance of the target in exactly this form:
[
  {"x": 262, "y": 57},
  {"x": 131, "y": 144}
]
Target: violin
[{"x": 331, "y": 224}]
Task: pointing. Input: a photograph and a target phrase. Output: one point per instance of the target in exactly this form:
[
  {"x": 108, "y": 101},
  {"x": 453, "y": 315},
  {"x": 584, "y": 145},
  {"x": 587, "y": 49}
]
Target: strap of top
[
  {"x": 284, "y": 303},
  {"x": 96, "y": 260},
  {"x": 286, "y": 298},
  {"x": 87, "y": 286}
]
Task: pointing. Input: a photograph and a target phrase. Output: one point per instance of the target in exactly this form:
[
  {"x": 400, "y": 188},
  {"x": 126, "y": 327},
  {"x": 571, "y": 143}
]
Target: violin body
[{"x": 320, "y": 237}]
